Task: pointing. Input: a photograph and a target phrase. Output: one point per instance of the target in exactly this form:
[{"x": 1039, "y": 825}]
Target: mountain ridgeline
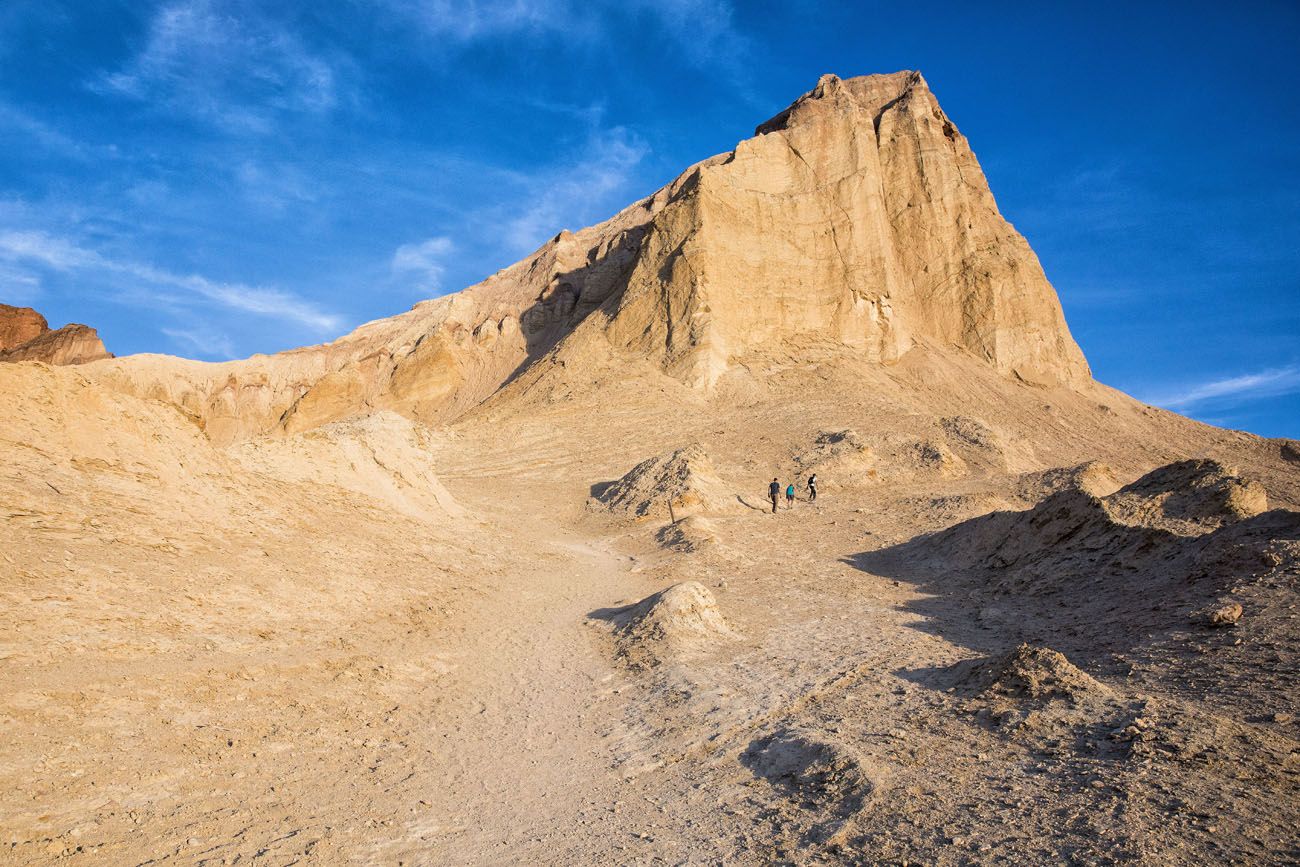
[{"x": 857, "y": 220}]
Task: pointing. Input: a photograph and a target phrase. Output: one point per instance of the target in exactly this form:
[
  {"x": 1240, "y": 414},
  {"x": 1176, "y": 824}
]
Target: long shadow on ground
[{"x": 1066, "y": 575}]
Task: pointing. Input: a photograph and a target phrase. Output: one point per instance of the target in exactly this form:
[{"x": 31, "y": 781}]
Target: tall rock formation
[
  {"x": 19, "y": 325},
  {"x": 26, "y": 336},
  {"x": 857, "y": 219},
  {"x": 859, "y": 215}
]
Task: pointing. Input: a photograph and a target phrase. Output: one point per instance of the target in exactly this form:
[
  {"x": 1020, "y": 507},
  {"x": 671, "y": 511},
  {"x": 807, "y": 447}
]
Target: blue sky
[{"x": 214, "y": 178}]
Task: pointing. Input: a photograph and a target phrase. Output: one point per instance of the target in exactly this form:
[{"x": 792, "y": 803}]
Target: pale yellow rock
[{"x": 858, "y": 220}]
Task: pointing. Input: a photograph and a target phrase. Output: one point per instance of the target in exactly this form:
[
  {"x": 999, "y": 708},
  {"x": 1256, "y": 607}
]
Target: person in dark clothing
[
  {"x": 812, "y": 488},
  {"x": 774, "y": 493}
]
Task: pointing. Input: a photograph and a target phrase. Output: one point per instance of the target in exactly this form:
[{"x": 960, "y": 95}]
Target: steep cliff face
[
  {"x": 26, "y": 336},
  {"x": 858, "y": 219},
  {"x": 19, "y": 325},
  {"x": 859, "y": 215}
]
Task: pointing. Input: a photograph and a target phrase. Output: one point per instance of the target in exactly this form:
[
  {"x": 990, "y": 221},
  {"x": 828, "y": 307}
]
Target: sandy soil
[{"x": 212, "y": 657}]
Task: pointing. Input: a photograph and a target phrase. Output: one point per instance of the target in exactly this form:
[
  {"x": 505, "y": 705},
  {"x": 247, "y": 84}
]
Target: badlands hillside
[{"x": 495, "y": 581}]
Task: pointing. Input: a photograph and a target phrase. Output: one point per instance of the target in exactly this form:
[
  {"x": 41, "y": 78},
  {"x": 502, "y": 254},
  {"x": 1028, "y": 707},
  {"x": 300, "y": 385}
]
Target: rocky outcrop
[
  {"x": 858, "y": 220},
  {"x": 1144, "y": 558},
  {"x": 680, "y": 619},
  {"x": 858, "y": 215},
  {"x": 673, "y": 485},
  {"x": 19, "y": 325},
  {"x": 26, "y": 336}
]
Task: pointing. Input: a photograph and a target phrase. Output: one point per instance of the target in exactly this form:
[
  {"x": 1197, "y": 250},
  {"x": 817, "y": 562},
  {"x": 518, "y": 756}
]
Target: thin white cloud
[
  {"x": 18, "y": 287},
  {"x": 424, "y": 261},
  {"x": 573, "y": 196},
  {"x": 235, "y": 71},
  {"x": 207, "y": 343},
  {"x": 57, "y": 253},
  {"x": 276, "y": 187},
  {"x": 1273, "y": 382},
  {"x": 49, "y": 139},
  {"x": 63, "y": 255},
  {"x": 703, "y": 31},
  {"x": 465, "y": 20}
]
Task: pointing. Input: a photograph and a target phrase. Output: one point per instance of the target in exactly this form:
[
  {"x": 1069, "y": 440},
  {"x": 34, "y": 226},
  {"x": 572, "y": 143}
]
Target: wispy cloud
[
  {"x": 425, "y": 262},
  {"x": 17, "y": 286},
  {"x": 277, "y": 187},
  {"x": 1233, "y": 390},
  {"x": 570, "y": 196},
  {"x": 703, "y": 31},
  {"x": 472, "y": 19},
  {"x": 49, "y": 140},
  {"x": 63, "y": 255},
  {"x": 235, "y": 71},
  {"x": 205, "y": 342}
]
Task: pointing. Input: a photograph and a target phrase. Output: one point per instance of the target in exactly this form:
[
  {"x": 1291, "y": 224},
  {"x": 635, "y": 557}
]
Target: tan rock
[
  {"x": 674, "y": 485},
  {"x": 683, "y": 614},
  {"x": 857, "y": 221},
  {"x": 1228, "y": 614},
  {"x": 19, "y": 325},
  {"x": 26, "y": 336}
]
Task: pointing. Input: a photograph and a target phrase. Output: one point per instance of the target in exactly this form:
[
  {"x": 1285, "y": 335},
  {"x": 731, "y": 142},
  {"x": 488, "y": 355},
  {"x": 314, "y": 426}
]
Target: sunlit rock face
[{"x": 855, "y": 221}]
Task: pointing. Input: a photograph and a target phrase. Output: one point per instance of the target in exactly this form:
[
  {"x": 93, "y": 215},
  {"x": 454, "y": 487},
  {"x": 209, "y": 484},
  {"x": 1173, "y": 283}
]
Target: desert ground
[
  {"x": 483, "y": 584},
  {"x": 209, "y": 660}
]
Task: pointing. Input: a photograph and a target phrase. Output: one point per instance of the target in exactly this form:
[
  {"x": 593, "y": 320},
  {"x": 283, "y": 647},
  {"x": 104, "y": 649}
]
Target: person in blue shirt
[{"x": 789, "y": 496}]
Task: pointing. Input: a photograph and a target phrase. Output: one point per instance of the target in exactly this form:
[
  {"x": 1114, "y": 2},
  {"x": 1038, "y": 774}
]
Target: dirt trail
[
  {"x": 528, "y": 715},
  {"x": 298, "y": 671}
]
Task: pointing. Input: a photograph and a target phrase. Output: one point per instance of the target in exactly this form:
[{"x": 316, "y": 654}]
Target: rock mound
[
  {"x": 817, "y": 774},
  {"x": 684, "y": 480},
  {"x": 1038, "y": 673},
  {"x": 985, "y": 447},
  {"x": 680, "y": 618},
  {"x": 840, "y": 458},
  {"x": 846, "y": 459},
  {"x": 383, "y": 455},
  {"x": 1093, "y": 478},
  {"x": 1126, "y": 530},
  {"x": 1116, "y": 568},
  {"x": 1188, "y": 498},
  {"x": 929, "y": 456},
  {"x": 689, "y": 535},
  {"x": 26, "y": 336}
]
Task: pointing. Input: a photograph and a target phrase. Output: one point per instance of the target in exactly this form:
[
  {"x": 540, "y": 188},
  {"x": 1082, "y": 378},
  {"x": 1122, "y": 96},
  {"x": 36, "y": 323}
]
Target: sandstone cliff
[
  {"x": 858, "y": 215},
  {"x": 19, "y": 325},
  {"x": 857, "y": 220},
  {"x": 26, "y": 336}
]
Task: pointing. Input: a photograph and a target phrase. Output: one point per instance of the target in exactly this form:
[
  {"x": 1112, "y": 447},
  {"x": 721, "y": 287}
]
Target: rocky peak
[
  {"x": 857, "y": 221},
  {"x": 19, "y": 325},
  {"x": 858, "y": 215},
  {"x": 26, "y": 336}
]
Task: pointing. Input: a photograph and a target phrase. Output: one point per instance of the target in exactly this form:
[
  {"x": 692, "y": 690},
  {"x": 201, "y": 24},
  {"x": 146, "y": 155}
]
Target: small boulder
[
  {"x": 1220, "y": 616},
  {"x": 679, "y": 619},
  {"x": 683, "y": 482},
  {"x": 685, "y": 612},
  {"x": 1036, "y": 673}
]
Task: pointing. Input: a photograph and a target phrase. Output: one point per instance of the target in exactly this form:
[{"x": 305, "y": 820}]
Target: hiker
[
  {"x": 789, "y": 496},
  {"x": 774, "y": 491},
  {"x": 812, "y": 488}
]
